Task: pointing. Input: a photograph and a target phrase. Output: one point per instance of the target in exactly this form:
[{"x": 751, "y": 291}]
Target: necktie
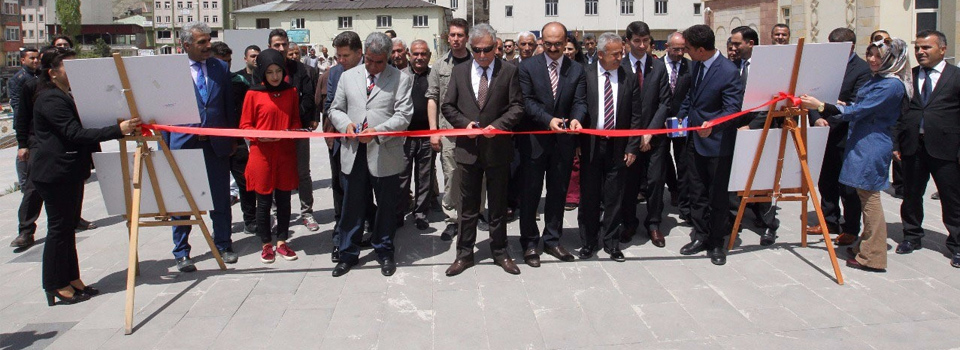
[
  {"x": 700, "y": 71},
  {"x": 201, "y": 81},
  {"x": 482, "y": 91},
  {"x": 745, "y": 72},
  {"x": 372, "y": 84},
  {"x": 608, "y": 117},
  {"x": 673, "y": 76},
  {"x": 554, "y": 78},
  {"x": 927, "y": 87},
  {"x": 640, "y": 74}
]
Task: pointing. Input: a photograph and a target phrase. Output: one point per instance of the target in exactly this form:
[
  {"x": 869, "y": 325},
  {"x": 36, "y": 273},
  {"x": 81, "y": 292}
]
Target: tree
[
  {"x": 101, "y": 48},
  {"x": 68, "y": 12}
]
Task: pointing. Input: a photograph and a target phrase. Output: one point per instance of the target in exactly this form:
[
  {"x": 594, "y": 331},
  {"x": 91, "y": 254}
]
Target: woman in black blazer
[{"x": 58, "y": 169}]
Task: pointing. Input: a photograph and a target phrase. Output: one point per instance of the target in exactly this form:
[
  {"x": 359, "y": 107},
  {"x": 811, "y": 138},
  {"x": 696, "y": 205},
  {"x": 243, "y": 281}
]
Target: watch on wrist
[{"x": 820, "y": 107}]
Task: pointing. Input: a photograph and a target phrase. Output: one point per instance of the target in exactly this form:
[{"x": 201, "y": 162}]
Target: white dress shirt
[
  {"x": 633, "y": 62},
  {"x": 614, "y": 85},
  {"x": 194, "y": 72},
  {"x": 934, "y": 76},
  {"x": 670, "y": 64},
  {"x": 559, "y": 64},
  {"x": 475, "y": 78},
  {"x": 707, "y": 64}
]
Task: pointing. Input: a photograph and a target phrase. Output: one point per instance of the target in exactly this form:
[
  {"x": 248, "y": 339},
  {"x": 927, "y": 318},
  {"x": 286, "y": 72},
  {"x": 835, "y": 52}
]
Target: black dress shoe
[
  {"x": 627, "y": 234},
  {"x": 335, "y": 256},
  {"x": 907, "y": 247},
  {"x": 560, "y": 253},
  {"x": 587, "y": 252},
  {"x": 341, "y": 269},
  {"x": 54, "y": 295},
  {"x": 184, "y": 264},
  {"x": 769, "y": 237},
  {"x": 459, "y": 266},
  {"x": 482, "y": 225},
  {"x": 955, "y": 261},
  {"x": 448, "y": 233},
  {"x": 717, "y": 256},
  {"x": 366, "y": 242},
  {"x": 693, "y": 247},
  {"x": 87, "y": 290},
  {"x": 531, "y": 257},
  {"x": 388, "y": 266},
  {"x": 422, "y": 224},
  {"x": 22, "y": 241},
  {"x": 617, "y": 255}
]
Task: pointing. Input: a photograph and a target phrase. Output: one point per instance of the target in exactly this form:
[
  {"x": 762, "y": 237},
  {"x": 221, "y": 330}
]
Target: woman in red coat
[{"x": 272, "y": 104}]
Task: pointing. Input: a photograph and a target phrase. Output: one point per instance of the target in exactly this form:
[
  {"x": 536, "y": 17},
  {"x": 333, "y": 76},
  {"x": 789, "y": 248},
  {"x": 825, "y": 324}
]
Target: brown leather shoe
[
  {"x": 531, "y": 257},
  {"x": 656, "y": 237},
  {"x": 559, "y": 252},
  {"x": 845, "y": 239},
  {"x": 507, "y": 264},
  {"x": 459, "y": 266},
  {"x": 815, "y": 230}
]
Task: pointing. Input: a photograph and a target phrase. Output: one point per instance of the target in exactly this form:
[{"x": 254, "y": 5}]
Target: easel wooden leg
[
  {"x": 736, "y": 222},
  {"x": 132, "y": 260},
  {"x": 816, "y": 205}
]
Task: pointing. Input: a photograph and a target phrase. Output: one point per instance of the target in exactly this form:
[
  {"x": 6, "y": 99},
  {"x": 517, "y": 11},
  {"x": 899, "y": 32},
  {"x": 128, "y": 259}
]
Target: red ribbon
[{"x": 252, "y": 133}]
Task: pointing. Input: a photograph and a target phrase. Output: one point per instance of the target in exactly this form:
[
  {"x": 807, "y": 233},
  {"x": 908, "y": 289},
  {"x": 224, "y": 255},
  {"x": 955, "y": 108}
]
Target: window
[
  {"x": 213, "y": 4},
  {"x": 189, "y": 5},
  {"x": 344, "y": 22},
  {"x": 179, "y": 19},
  {"x": 420, "y": 21},
  {"x": 167, "y": 19},
  {"x": 660, "y": 7},
  {"x": 591, "y": 8},
  {"x": 40, "y": 36},
  {"x": 13, "y": 59},
  {"x": 263, "y": 23},
  {"x": 384, "y": 21},
  {"x": 189, "y": 18},
  {"x": 163, "y": 34},
  {"x": 696, "y": 9},
  {"x": 626, "y": 7},
  {"x": 550, "y": 7},
  {"x": 39, "y": 2},
  {"x": 29, "y": 3},
  {"x": 158, "y": 19},
  {"x": 928, "y": 14},
  {"x": 40, "y": 18},
  {"x": 214, "y": 34},
  {"x": 179, "y": 4},
  {"x": 158, "y": 5},
  {"x": 29, "y": 18},
  {"x": 206, "y": 4},
  {"x": 785, "y": 14},
  {"x": 508, "y": 11},
  {"x": 12, "y": 34},
  {"x": 454, "y": 4},
  {"x": 166, "y": 5},
  {"x": 299, "y": 23},
  {"x": 215, "y": 20},
  {"x": 206, "y": 19},
  {"x": 30, "y": 34}
]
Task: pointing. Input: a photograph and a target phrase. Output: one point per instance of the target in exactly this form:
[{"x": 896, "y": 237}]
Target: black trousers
[
  {"x": 555, "y": 166},
  {"x": 711, "y": 200},
  {"x": 248, "y": 199},
  {"x": 471, "y": 188},
  {"x": 264, "y": 203},
  {"x": 60, "y": 262},
  {"x": 357, "y": 188},
  {"x": 601, "y": 185},
  {"x": 337, "y": 187},
  {"x": 677, "y": 177},
  {"x": 833, "y": 193},
  {"x": 647, "y": 175},
  {"x": 30, "y": 203},
  {"x": 917, "y": 170},
  {"x": 305, "y": 190},
  {"x": 515, "y": 193},
  {"x": 419, "y": 169}
]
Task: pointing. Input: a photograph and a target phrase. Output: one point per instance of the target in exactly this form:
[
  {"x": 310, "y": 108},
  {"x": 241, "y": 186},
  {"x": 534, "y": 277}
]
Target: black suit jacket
[
  {"x": 503, "y": 110},
  {"x": 300, "y": 77},
  {"x": 857, "y": 74},
  {"x": 540, "y": 106},
  {"x": 63, "y": 145},
  {"x": 941, "y": 118},
  {"x": 655, "y": 92},
  {"x": 680, "y": 90},
  {"x": 719, "y": 94},
  {"x": 629, "y": 107}
]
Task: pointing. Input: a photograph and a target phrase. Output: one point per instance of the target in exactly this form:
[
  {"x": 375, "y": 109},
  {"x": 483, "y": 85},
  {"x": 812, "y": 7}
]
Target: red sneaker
[
  {"x": 267, "y": 256},
  {"x": 284, "y": 251}
]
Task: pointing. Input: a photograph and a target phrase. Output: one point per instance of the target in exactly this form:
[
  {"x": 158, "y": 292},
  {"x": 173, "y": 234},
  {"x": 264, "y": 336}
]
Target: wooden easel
[
  {"x": 142, "y": 160},
  {"x": 797, "y": 129}
]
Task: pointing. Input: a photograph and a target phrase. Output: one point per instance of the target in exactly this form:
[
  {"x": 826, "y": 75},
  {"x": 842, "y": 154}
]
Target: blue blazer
[
  {"x": 215, "y": 112},
  {"x": 719, "y": 94},
  {"x": 540, "y": 106}
]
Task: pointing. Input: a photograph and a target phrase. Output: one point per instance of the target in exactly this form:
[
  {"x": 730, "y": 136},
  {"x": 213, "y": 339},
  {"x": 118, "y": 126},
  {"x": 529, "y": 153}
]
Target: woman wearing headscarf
[
  {"x": 58, "y": 170},
  {"x": 272, "y": 104},
  {"x": 880, "y": 103}
]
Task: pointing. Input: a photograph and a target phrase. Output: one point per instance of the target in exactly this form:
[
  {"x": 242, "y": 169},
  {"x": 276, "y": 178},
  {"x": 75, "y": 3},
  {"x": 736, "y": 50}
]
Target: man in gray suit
[{"x": 371, "y": 97}]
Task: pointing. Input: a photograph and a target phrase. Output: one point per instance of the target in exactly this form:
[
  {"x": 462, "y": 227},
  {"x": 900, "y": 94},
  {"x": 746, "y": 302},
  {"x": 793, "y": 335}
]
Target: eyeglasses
[
  {"x": 482, "y": 49},
  {"x": 547, "y": 44}
]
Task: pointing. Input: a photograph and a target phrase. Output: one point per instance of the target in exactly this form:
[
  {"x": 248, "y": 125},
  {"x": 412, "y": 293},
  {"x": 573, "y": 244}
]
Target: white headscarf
[{"x": 894, "y": 62}]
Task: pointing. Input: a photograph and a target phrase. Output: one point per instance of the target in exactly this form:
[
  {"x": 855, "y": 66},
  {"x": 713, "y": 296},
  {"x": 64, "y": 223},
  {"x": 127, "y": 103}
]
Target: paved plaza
[{"x": 779, "y": 297}]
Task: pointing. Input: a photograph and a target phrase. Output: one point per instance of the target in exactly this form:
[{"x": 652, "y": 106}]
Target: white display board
[
  {"x": 162, "y": 86},
  {"x": 239, "y": 39},
  {"x": 192, "y": 167},
  {"x": 746, "y": 150},
  {"x": 822, "y": 67}
]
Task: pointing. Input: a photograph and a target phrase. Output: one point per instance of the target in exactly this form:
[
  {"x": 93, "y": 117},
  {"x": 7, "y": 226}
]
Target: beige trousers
[{"x": 872, "y": 250}]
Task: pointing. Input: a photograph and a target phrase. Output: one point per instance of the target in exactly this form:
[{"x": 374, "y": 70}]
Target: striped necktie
[{"x": 608, "y": 115}]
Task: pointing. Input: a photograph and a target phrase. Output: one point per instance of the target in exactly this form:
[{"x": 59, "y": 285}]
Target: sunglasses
[{"x": 487, "y": 49}]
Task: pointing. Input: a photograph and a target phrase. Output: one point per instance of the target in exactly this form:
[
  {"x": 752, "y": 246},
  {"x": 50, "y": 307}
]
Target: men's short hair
[
  {"x": 251, "y": 47},
  {"x": 842, "y": 35},
  {"x": 23, "y": 51},
  {"x": 221, "y": 49},
  {"x": 607, "y": 38},
  {"x": 780, "y": 25},
  {"x": 509, "y": 40},
  {"x": 378, "y": 44},
  {"x": 459, "y": 23},
  {"x": 186, "y": 32},
  {"x": 396, "y": 41},
  {"x": 941, "y": 39},
  {"x": 420, "y": 42},
  {"x": 63, "y": 37},
  {"x": 638, "y": 28},
  {"x": 277, "y": 32},
  {"x": 747, "y": 33},
  {"x": 481, "y": 30},
  {"x": 524, "y": 35},
  {"x": 700, "y": 36},
  {"x": 348, "y": 38},
  {"x": 670, "y": 37},
  {"x": 589, "y": 36},
  {"x": 391, "y": 33}
]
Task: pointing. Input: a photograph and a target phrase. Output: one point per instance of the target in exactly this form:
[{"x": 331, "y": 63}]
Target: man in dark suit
[
  {"x": 928, "y": 138},
  {"x": 831, "y": 191},
  {"x": 716, "y": 92},
  {"x": 554, "y": 94},
  {"x": 647, "y": 175},
  {"x": 676, "y": 177},
  {"x": 613, "y": 103},
  {"x": 483, "y": 94},
  {"x": 211, "y": 82},
  {"x": 589, "y": 48}
]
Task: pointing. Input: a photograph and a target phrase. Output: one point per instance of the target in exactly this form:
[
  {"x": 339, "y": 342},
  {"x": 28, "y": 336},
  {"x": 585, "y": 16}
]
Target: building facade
[
  {"x": 33, "y": 16},
  {"x": 317, "y": 22},
  {"x": 169, "y": 16},
  {"x": 10, "y": 18},
  {"x": 510, "y": 17}
]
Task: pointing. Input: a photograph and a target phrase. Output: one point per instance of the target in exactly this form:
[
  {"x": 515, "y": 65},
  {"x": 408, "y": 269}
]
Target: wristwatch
[{"x": 820, "y": 107}]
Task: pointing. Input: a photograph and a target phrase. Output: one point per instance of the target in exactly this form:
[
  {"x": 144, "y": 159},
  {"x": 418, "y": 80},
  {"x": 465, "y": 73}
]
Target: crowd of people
[{"x": 555, "y": 82}]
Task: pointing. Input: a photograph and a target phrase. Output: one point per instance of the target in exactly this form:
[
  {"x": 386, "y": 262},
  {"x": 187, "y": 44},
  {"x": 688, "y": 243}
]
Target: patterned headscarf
[{"x": 894, "y": 62}]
